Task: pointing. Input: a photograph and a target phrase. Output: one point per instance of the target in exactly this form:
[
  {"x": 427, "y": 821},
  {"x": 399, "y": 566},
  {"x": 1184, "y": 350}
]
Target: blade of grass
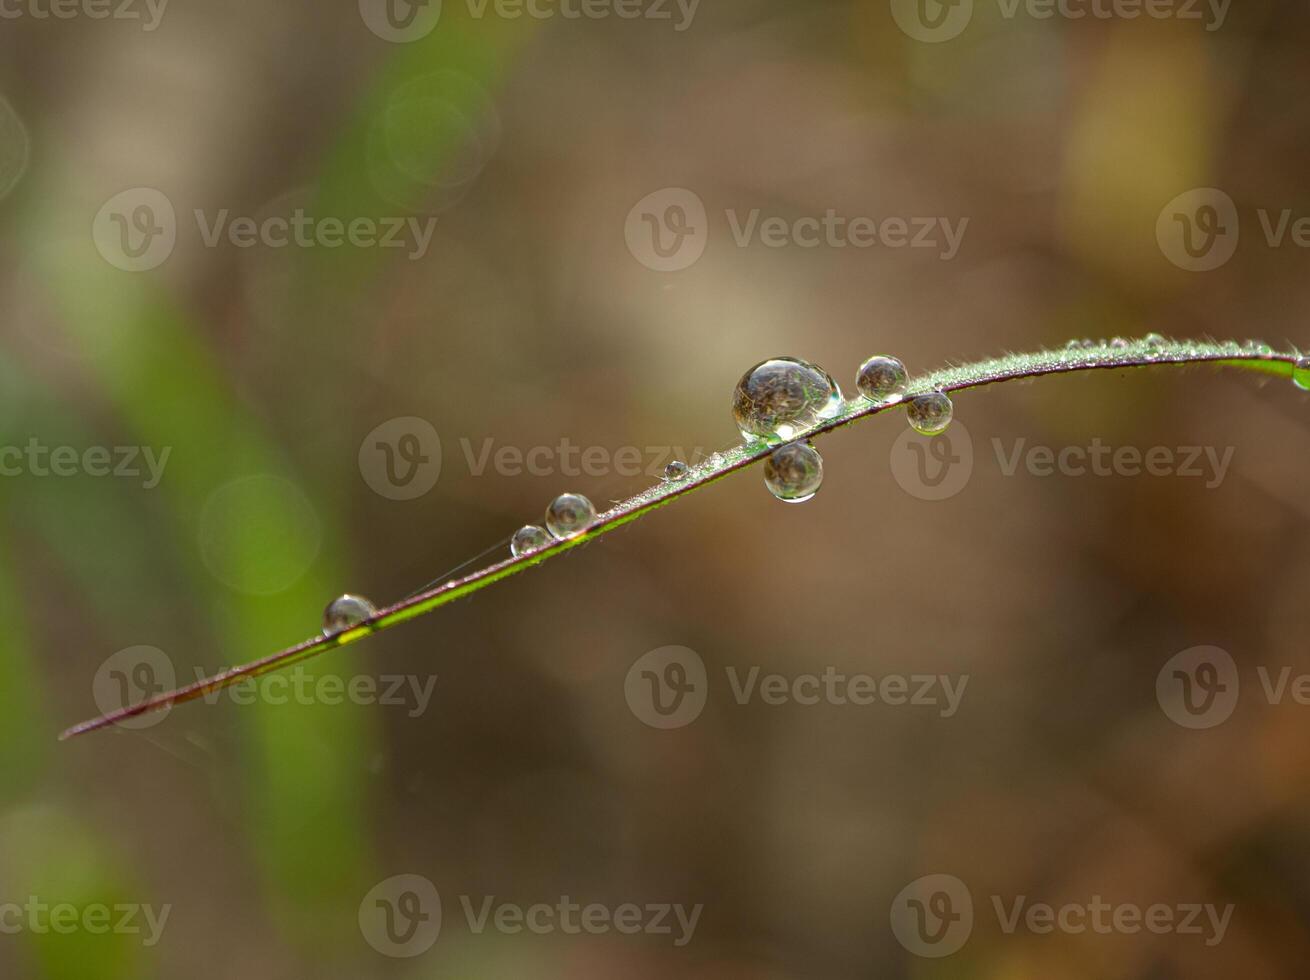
[{"x": 1012, "y": 367}]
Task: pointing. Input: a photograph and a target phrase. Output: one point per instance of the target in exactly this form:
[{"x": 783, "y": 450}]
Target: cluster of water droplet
[
  {"x": 777, "y": 400},
  {"x": 568, "y": 515}
]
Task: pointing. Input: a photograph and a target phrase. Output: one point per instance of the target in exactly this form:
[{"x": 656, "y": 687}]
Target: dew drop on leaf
[
  {"x": 930, "y": 413},
  {"x": 346, "y": 611},
  {"x": 882, "y": 379},
  {"x": 676, "y": 471},
  {"x": 783, "y": 396},
  {"x": 794, "y": 472},
  {"x": 527, "y": 539},
  {"x": 569, "y": 515}
]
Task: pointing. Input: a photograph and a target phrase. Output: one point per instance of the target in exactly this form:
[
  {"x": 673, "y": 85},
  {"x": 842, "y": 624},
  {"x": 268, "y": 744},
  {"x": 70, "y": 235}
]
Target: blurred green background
[{"x": 521, "y": 145}]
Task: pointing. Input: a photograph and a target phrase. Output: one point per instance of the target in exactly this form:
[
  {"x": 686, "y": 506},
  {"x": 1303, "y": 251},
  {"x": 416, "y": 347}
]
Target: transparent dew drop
[
  {"x": 569, "y": 515},
  {"x": 930, "y": 413},
  {"x": 1075, "y": 344},
  {"x": 528, "y": 539},
  {"x": 780, "y": 397},
  {"x": 882, "y": 379},
  {"x": 1089, "y": 343},
  {"x": 676, "y": 471},
  {"x": 1154, "y": 340},
  {"x": 345, "y": 612},
  {"x": 794, "y": 472},
  {"x": 1119, "y": 342},
  {"x": 1301, "y": 373}
]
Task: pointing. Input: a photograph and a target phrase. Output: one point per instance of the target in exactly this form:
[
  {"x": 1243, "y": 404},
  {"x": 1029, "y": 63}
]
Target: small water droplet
[
  {"x": 1075, "y": 344},
  {"x": 528, "y": 539},
  {"x": 794, "y": 472},
  {"x": 1089, "y": 343},
  {"x": 1301, "y": 373},
  {"x": 346, "y": 611},
  {"x": 780, "y": 397},
  {"x": 930, "y": 413},
  {"x": 569, "y": 515},
  {"x": 676, "y": 471},
  {"x": 1119, "y": 342},
  {"x": 882, "y": 379},
  {"x": 1155, "y": 340}
]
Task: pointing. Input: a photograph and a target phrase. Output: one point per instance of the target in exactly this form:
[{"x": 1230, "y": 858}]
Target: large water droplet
[
  {"x": 930, "y": 413},
  {"x": 1301, "y": 373},
  {"x": 794, "y": 472},
  {"x": 527, "y": 539},
  {"x": 882, "y": 379},
  {"x": 778, "y": 398},
  {"x": 569, "y": 514},
  {"x": 676, "y": 471},
  {"x": 346, "y": 611}
]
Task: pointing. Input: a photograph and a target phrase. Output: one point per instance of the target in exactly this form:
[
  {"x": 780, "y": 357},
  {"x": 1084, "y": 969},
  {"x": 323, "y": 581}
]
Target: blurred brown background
[{"x": 522, "y": 146}]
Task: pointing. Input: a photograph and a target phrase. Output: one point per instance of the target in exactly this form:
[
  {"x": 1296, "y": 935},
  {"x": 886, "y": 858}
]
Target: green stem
[{"x": 1135, "y": 354}]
